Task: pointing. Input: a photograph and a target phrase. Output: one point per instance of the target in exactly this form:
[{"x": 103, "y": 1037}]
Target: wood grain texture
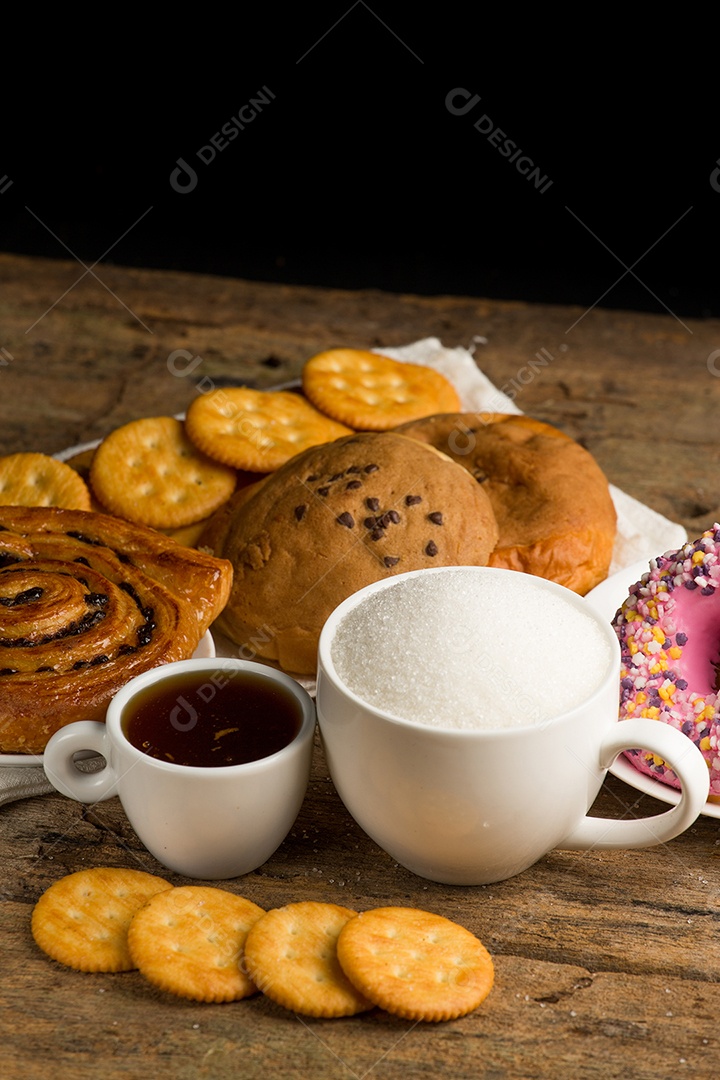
[
  {"x": 640, "y": 391},
  {"x": 608, "y": 963}
]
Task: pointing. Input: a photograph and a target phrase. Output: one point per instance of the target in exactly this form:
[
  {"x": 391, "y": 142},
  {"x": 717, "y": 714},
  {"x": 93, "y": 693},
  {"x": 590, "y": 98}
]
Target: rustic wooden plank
[
  {"x": 576, "y": 907},
  {"x": 637, "y": 389},
  {"x": 541, "y": 1020},
  {"x": 607, "y": 962}
]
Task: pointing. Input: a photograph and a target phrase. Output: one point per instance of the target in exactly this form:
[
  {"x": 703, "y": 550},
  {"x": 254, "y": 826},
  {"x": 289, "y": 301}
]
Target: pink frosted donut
[{"x": 669, "y": 631}]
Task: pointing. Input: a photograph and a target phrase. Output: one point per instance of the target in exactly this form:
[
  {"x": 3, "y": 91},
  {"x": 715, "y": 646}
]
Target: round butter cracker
[
  {"x": 372, "y": 392},
  {"x": 40, "y": 480},
  {"x": 189, "y": 942},
  {"x": 82, "y": 919},
  {"x": 290, "y": 953},
  {"x": 148, "y": 471},
  {"x": 415, "y": 964},
  {"x": 257, "y": 430}
]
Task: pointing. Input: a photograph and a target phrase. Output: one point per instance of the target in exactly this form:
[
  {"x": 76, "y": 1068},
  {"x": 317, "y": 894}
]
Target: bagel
[{"x": 552, "y": 502}]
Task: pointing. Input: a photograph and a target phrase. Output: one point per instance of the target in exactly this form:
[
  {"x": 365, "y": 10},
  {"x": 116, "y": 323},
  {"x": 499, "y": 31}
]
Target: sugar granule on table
[{"x": 464, "y": 650}]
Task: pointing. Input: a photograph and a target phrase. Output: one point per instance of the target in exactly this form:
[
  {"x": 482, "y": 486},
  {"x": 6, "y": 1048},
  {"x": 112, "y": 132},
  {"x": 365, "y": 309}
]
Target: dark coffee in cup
[{"x": 212, "y": 720}]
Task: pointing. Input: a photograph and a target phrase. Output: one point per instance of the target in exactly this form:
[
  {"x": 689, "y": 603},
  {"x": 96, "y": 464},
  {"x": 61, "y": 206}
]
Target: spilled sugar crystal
[{"x": 465, "y": 650}]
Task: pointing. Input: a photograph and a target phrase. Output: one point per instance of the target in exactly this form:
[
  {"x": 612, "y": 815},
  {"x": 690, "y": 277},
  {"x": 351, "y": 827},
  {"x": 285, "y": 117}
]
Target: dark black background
[{"x": 355, "y": 174}]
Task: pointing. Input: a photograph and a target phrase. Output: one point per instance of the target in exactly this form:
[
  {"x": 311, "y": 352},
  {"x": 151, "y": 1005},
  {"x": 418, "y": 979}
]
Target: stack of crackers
[
  {"x": 208, "y": 944},
  {"x": 172, "y": 474},
  {"x": 260, "y": 479}
]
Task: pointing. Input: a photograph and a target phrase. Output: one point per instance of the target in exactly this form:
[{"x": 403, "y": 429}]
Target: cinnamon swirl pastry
[{"x": 88, "y": 601}]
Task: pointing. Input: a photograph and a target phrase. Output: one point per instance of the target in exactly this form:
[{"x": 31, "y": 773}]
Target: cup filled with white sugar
[{"x": 469, "y": 715}]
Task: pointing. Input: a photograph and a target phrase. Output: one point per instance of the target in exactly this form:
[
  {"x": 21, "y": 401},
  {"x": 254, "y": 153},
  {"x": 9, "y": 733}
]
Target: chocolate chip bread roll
[{"x": 332, "y": 520}]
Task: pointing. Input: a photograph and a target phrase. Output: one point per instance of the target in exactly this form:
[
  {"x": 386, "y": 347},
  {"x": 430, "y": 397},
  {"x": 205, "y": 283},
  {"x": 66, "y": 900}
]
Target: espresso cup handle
[
  {"x": 63, "y": 773},
  {"x": 684, "y": 759}
]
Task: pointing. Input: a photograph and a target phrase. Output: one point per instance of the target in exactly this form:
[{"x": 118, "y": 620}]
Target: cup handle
[
  {"x": 63, "y": 774},
  {"x": 684, "y": 759}
]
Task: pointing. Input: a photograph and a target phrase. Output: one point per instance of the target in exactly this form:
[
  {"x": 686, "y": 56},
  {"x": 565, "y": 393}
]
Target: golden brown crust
[
  {"x": 290, "y": 954},
  {"x": 257, "y": 430},
  {"x": 30, "y": 479},
  {"x": 148, "y": 471},
  {"x": 551, "y": 499},
  {"x": 333, "y": 520},
  {"x": 191, "y": 943},
  {"x": 370, "y": 392},
  {"x": 88, "y": 601},
  {"x": 82, "y": 919},
  {"x": 415, "y": 964}
]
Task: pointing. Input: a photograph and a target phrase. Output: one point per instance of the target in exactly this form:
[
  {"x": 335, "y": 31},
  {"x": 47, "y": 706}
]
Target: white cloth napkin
[
  {"x": 642, "y": 533},
  {"x": 22, "y": 783}
]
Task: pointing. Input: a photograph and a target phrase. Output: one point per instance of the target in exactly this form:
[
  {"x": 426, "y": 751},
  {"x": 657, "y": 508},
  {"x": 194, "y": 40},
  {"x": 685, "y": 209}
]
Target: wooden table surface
[{"x": 607, "y": 963}]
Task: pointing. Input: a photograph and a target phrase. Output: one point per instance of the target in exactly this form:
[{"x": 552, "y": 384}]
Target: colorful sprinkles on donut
[{"x": 669, "y": 631}]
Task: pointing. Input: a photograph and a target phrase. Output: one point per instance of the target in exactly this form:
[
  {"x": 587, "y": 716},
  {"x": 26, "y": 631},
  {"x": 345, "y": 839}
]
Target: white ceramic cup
[
  {"x": 203, "y": 822},
  {"x": 468, "y": 807}
]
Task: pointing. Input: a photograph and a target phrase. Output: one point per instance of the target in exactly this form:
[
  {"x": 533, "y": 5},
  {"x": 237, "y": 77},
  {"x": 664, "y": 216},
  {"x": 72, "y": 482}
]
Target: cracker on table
[
  {"x": 148, "y": 471},
  {"x": 257, "y": 430},
  {"x": 189, "y": 942},
  {"x": 30, "y": 479},
  {"x": 372, "y": 392},
  {"x": 82, "y": 919},
  {"x": 415, "y": 964},
  {"x": 290, "y": 954}
]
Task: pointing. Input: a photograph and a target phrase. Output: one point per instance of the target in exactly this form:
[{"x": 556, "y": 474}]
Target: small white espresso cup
[
  {"x": 207, "y": 822},
  {"x": 473, "y": 805}
]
